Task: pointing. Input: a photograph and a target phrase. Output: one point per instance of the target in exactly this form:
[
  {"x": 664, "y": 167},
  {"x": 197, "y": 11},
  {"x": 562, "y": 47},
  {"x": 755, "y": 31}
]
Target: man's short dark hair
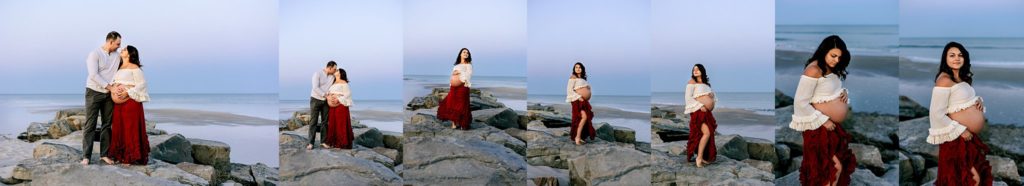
[
  {"x": 113, "y": 35},
  {"x": 331, "y": 64}
]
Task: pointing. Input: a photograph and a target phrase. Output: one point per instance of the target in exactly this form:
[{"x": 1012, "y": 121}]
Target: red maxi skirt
[
  {"x": 820, "y": 145},
  {"x": 129, "y": 143},
  {"x": 588, "y": 125},
  {"x": 957, "y": 157},
  {"x": 339, "y": 128},
  {"x": 696, "y": 119},
  {"x": 455, "y": 107}
]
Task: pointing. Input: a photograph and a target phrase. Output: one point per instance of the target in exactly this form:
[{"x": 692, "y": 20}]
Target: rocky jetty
[
  {"x": 875, "y": 144},
  {"x": 49, "y": 154},
  {"x": 375, "y": 159},
  {"x": 490, "y": 153},
  {"x": 741, "y": 160},
  {"x": 614, "y": 157},
  {"x": 921, "y": 157}
]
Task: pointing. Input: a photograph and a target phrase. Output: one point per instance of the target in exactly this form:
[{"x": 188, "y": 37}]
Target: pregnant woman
[
  {"x": 455, "y": 106},
  {"x": 700, "y": 100},
  {"x": 339, "y": 121},
  {"x": 956, "y": 115},
  {"x": 129, "y": 143},
  {"x": 819, "y": 108},
  {"x": 578, "y": 94}
]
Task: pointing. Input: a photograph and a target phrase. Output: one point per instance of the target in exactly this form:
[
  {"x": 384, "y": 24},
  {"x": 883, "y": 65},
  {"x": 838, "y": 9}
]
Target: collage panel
[
  {"x": 836, "y": 92},
  {"x": 464, "y": 92},
  {"x": 340, "y": 92},
  {"x": 589, "y": 92},
  {"x": 712, "y": 118},
  {"x": 960, "y": 84},
  {"x": 124, "y": 93}
]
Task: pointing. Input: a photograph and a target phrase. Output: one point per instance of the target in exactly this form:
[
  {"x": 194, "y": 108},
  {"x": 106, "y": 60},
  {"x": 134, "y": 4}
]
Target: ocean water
[
  {"x": 873, "y": 79},
  {"x": 860, "y": 39},
  {"x": 985, "y": 52},
  {"x": 206, "y": 116},
  {"x": 641, "y": 105},
  {"x": 382, "y": 114},
  {"x": 759, "y": 102},
  {"x": 419, "y": 85},
  {"x": 997, "y": 64}
]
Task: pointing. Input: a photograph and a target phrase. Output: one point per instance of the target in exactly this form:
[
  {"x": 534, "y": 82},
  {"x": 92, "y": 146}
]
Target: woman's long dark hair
[
  {"x": 342, "y": 75},
  {"x": 827, "y": 44},
  {"x": 583, "y": 71},
  {"x": 133, "y": 56},
  {"x": 469, "y": 56},
  {"x": 703, "y": 74},
  {"x": 965, "y": 71}
]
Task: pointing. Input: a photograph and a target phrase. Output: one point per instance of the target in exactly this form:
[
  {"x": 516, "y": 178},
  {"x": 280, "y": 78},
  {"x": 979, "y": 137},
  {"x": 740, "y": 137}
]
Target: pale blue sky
[
  {"x": 961, "y": 18},
  {"x": 837, "y": 12},
  {"x": 190, "y": 46},
  {"x": 494, "y": 31},
  {"x": 736, "y": 47},
  {"x": 613, "y": 38},
  {"x": 364, "y": 37}
]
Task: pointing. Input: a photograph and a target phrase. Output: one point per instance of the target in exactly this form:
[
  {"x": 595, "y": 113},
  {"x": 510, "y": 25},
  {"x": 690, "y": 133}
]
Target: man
[
  {"x": 102, "y": 66},
  {"x": 322, "y": 81}
]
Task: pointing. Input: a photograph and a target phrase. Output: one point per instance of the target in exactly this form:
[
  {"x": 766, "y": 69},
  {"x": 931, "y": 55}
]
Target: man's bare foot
[
  {"x": 85, "y": 162},
  {"x": 325, "y": 145},
  {"x": 107, "y": 160},
  {"x": 309, "y": 147}
]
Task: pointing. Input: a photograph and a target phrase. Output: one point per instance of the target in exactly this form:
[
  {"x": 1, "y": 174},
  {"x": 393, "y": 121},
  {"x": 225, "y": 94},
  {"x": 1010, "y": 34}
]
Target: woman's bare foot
[
  {"x": 309, "y": 147},
  {"x": 453, "y": 125},
  {"x": 107, "y": 160},
  {"x": 579, "y": 141},
  {"x": 325, "y": 145},
  {"x": 700, "y": 163},
  {"x": 85, "y": 162}
]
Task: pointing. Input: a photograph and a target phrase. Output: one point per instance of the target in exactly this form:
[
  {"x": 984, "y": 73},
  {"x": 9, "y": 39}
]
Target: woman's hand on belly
[
  {"x": 708, "y": 101},
  {"x": 835, "y": 109},
  {"x": 454, "y": 80},
  {"x": 971, "y": 117}
]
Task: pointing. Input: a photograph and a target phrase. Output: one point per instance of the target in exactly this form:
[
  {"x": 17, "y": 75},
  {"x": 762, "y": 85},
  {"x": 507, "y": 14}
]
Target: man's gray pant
[
  {"x": 317, "y": 119},
  {"x": 97, "y": 104}
]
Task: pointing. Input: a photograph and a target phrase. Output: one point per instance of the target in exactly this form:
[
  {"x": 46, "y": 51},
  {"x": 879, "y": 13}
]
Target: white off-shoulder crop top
[
  {"x": 570, "y": 89},
  {"x": 134, "y": 78},
  {"x": 814, "y": 90},
  {"x": 343, "y": 92},
  {"x": 946, "y": 100},
  {"x": 693, "y": 91},
  {"x": 465, "y": 73}
]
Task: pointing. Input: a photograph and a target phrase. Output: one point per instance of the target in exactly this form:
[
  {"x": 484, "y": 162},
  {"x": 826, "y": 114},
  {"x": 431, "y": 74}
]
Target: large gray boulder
[
  {"x": 172, "y": 148},
  {"x": 475, "y": 162},
  {"x": 209, "y": 152}
]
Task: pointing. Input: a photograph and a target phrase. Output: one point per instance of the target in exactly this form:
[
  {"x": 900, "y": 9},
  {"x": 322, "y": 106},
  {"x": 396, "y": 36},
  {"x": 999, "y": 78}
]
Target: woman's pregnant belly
[
  {"x": 836, "y": 110},
  {"x": 584, "y": 92},
  {"x": 972, "y": 118},
  {"x": 454, "y": 80},
  {"x": 707, "y": 101}
]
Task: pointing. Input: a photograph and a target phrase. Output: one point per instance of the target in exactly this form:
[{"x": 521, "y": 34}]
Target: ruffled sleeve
[
  {"x": 570, "y": 91},
  {"x": 692, "y": 105},
  {"x": 942, "y": 128},
  {"x": 345, "y": 96},
  {"x": 139, "y": 91},
  {"x": 805, "y": 117}
]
